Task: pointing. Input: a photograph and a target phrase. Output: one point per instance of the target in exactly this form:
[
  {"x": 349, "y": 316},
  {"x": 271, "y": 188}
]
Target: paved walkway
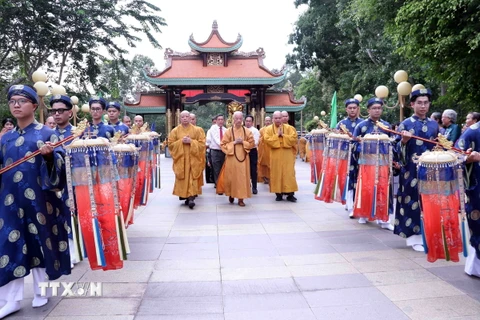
[{"x": 268, "y": 260}]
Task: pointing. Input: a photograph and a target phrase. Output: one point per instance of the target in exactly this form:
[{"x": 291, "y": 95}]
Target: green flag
[{"x": 333, "y": 110}]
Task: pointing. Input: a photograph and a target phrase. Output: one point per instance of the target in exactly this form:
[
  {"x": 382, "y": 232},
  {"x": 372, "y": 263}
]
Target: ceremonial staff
[
  {"x": 80, "y": 128},
  {"x": 442, "y": 141}
]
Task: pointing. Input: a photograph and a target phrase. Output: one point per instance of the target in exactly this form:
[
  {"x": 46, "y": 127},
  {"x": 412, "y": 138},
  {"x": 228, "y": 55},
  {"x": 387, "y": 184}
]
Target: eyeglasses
[
  {"x": 20, "y": 102},
  {"x": 422, "y": 103},
  {"x": 59, "y": 111},
  {"x": 96, "y": 109}
]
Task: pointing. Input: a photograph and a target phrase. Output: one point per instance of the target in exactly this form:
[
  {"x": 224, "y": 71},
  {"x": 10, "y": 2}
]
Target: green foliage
[
  {"x": 206, "y": 112},
  {"x": 118, "y": 78},
  {"x": 67, "y": 36},
  {"x": 356, "y": 45},
  {"x": 443, "y": 34},
  {"x": 310, "y": 125}
]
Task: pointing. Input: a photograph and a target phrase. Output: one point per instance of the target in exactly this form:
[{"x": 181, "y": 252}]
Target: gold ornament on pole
[
  {"x": 75, "y": 109},
  {"x": 381, "y": 92},
  {"x": 404, "y": 88},
  {"x": 40, "y": 78},
  {"x": 418, "y": 86},
  {"x": 400, "y": 76}
]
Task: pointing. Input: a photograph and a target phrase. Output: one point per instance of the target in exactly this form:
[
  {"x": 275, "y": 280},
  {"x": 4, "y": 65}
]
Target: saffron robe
[
  {"x": 203, "y": 152},
  {"x": 263, "y": 157},
  {"x": 282, "y": 158},
  {"x": 237, "y": 162},
  {"x": 33, "y": 228},
  {"x": 302, "y": 147},
  {"x": 187, "y": 162}
]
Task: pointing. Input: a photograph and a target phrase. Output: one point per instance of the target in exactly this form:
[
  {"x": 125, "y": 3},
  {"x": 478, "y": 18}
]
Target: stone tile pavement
[{"x": 268, "y": 260}]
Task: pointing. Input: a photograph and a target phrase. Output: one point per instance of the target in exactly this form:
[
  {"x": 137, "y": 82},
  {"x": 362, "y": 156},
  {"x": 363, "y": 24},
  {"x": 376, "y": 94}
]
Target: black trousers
[
  {"x": 218, "y": 157},
  {"x": 208, "y": 168},
  {"x": 253, "y": 167}
]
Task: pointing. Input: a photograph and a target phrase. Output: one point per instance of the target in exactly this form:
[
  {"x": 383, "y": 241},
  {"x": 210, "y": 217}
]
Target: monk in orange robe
[
  {"x": 264, "y": 155},
  {"x": 193, "y": 121},
  {"x": 282, "y": 140},
  {"x": 186, "y": 144},
  {"x": 236, "y": 144}
]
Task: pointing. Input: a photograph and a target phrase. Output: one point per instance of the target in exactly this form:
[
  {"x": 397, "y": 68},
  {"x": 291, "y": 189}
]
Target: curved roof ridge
[{"x": 203, "y": 45}]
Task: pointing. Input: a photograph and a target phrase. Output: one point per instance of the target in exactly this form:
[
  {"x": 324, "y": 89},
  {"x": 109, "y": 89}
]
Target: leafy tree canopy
[
  {"x": 68, "y": 36},
  {"x": 357, "y": 45}
]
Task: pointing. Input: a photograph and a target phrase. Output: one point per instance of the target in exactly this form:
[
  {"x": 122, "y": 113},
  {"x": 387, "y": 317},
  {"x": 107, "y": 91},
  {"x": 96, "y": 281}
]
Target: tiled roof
[
  {"x": 215, "y": 42},
  {"x": 283, "y": 100}
]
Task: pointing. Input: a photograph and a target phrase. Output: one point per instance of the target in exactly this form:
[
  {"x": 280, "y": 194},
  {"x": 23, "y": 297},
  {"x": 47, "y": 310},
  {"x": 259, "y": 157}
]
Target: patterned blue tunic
[
  {"x": 120, "y": 126},
  {"x": 365, "y": 127},
  {"x": 62, "y": 134},
  {"x": 407, "y": 211},
  {"x": 352, "y": 173},
  {"x": 33, "y": 230},
  {"x": 101, "y": 130},
  {"x": 350, "y": 124},
  {"x": 471, "y": 139}
]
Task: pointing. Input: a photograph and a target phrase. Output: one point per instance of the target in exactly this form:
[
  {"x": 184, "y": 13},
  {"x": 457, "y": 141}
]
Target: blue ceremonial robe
[
  {"x": 407, "y": 211},
  {"x": 471, "y": 139},
  {"x": 352, "y": 171},
  {"x": 33, "y": 230},
  {"x": 62, "y": 134},
  {"x": 120, "y": 126},
  {"x": 100, "y": 130},
  {"x": 65, "y": 132},
  {"x": 350, "y": 124},
  {"x": 365, "y": 127}
]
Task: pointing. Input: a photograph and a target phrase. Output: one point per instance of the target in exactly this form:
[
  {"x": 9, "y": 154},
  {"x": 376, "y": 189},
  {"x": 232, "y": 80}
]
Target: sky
[{"x": 261, "y": 23}]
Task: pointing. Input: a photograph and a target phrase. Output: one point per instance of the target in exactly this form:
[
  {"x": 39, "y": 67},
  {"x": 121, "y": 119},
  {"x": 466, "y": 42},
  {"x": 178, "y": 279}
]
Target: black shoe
[
  {"x": 230, "y": 199},
  {"x": 254, "y": 191},
  {"x": 291, "y": 198},
  {"x": 191, "y": 202},
  {"x": 279, "y": 197},
  {"x": 187, "y": 202}
]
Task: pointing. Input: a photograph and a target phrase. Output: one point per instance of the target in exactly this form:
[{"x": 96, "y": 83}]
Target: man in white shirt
[
  {"x": 214, "y": 141},
  {"x": 253, "y": 152}
]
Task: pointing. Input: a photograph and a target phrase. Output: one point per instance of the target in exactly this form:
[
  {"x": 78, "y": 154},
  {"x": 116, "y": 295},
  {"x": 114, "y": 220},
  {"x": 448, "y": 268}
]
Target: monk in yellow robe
[
  {"x": 236, "y": 144},
  {"x": 264, "y": 155},
  {"x": 308, "y": 152},
  {"x": 186, "y": 144},
  {"x": 302, "y": 148},
  {"x": 193, "y": 121},
  {"x": 285, "y": 118},
  {"x": 282, "y": 139}
]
